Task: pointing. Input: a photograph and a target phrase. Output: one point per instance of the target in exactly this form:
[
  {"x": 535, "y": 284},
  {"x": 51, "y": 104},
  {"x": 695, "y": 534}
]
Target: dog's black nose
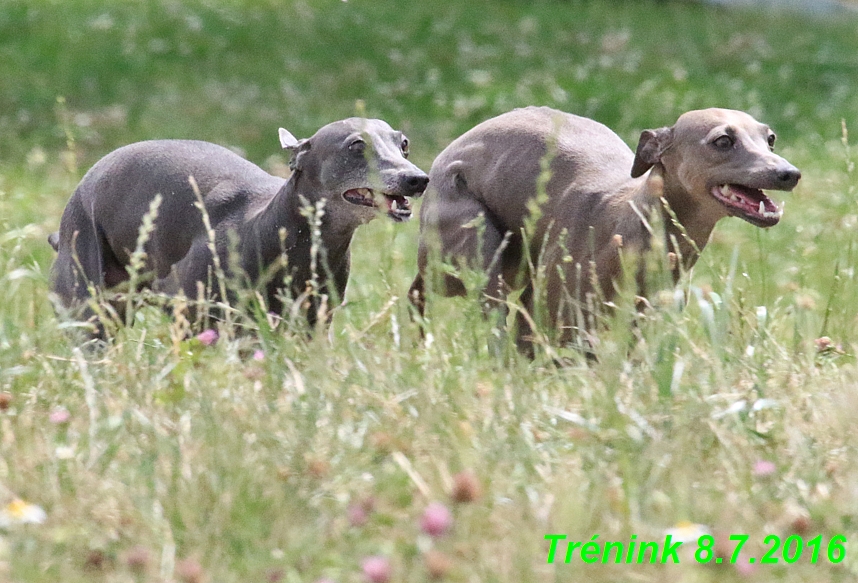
[
  {"x": 789, "y": 176},
  {"x": 415, "y": 183}
]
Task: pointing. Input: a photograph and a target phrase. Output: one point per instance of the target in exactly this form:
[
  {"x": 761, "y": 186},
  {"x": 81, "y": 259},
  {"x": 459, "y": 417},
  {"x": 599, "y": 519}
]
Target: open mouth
[
  {"x": 747, "y": 203},
  {"x": 398, "y": 207}
]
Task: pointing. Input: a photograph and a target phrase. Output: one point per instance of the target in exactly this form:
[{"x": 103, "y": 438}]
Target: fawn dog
[{"x": 483, "y": 189}]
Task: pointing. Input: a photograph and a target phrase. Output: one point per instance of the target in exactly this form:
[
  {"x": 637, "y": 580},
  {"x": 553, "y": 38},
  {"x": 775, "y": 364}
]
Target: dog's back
[
  {"x": 120, "y": 187},
  {"x": 562, "y": 167},
  {"x": 100, "y": 224},
  {"x": 511, "y": 150}
]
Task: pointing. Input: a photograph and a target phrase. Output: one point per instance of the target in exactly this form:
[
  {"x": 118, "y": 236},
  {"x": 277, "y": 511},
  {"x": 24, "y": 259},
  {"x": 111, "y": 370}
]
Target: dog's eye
[
  {"x": 404, "y": 147},
  {"x": 723, "y": 143},
  {"x": 357, "y": 146},
  {"x": 772, "y": 139}
]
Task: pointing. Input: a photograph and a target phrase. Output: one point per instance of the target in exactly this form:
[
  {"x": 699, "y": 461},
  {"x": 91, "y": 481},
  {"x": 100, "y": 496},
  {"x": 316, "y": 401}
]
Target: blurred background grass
[
  {"x": 251, "y": 468},
  {"x": 227, "y": 73}
]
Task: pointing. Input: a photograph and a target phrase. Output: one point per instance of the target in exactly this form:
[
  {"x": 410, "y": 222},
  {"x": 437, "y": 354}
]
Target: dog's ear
[
  {"x": 287, "y": 140},
  {"x": 294, "y": 145},
  {"x": 651, "y": 146}
]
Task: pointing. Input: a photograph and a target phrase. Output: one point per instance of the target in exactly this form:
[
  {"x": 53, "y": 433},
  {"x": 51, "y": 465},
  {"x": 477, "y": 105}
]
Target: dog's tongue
[
  {"x": 398, "y": 207},
  {"x": 359, "y": 196},
  {"x": 751, "y": 204}
]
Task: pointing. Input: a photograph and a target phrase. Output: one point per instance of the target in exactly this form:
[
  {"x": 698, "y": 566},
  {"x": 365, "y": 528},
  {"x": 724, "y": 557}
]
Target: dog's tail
[
  {"x": 54, "y": 240},
  {"x": 456, "y": 218}
]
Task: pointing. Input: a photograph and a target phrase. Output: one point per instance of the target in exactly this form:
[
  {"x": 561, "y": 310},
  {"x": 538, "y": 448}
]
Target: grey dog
[
  {"x": 484, "y": 188},
  {"x": 357, "y": 167}
]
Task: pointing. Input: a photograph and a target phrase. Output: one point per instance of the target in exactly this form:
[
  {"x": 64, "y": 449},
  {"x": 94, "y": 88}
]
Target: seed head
[
  {"x": 137, "y": 558},
  {"x": 437, "y": 564},
  {"x": 189, "y": 571},
  {"x": 466, "y": 487}
]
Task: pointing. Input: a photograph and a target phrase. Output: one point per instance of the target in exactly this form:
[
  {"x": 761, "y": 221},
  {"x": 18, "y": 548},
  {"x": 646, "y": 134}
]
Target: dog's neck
[
  {"x": 295, "y": 205},
  {"x": 695, "y": 224},
  {"x": 308, "y": 204}
]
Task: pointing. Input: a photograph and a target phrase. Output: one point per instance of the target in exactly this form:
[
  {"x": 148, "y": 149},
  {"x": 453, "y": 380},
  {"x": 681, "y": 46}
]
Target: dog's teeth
[
  {"x": 363, "y": 191},
  {"x": 762, "y": 208},
  {"x": 393, "y": 205},
  {"x": 725, "y": 190}
]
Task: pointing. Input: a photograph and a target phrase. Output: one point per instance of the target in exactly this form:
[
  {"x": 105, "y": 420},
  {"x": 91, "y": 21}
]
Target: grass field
[{"x": 163, "y": 459}]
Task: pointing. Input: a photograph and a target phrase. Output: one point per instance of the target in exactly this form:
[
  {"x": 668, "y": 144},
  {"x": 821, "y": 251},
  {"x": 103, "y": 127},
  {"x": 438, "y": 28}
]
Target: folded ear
[
  {"x": 294, "y": 145},
  {"x": 651, "y": 146}
]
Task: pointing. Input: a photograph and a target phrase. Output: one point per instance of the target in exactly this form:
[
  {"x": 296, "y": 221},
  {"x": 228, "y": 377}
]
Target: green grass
[{"x": 250, "y": 466}]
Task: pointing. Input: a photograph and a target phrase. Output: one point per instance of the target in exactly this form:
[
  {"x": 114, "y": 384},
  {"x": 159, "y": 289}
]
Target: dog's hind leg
[
  {"x": 524, "y": 321},
  {"x": 79, "y": 266},
  {"x": 463, "y": 233}
]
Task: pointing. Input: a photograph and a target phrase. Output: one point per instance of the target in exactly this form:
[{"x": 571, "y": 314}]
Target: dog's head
[
  {"x": 724, "y": 159},
  {"x": 360, "y": 166}
]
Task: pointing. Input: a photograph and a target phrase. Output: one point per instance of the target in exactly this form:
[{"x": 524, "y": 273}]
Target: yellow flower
[
  {"x": 687, "y": 531},
  {"x": 20, "y": 512}
]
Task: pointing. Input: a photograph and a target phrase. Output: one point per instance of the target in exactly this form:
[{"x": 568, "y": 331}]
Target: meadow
[{"x": 271, "y": 457}]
